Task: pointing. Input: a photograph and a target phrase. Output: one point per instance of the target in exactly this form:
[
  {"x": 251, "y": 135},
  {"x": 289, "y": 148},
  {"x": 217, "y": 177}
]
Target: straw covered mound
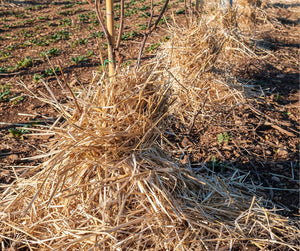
[{"x": 110, "y": 184}]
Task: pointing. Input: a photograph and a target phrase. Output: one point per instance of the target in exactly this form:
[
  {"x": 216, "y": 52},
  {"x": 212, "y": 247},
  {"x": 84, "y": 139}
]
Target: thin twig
[
  {"x": 120, "y": 57},
  {"x": 150, "y": 29},
  {"x": 68, "y": 87},
  {"x": 121, "y": 25},
  {"x": 196, "y": 115}
]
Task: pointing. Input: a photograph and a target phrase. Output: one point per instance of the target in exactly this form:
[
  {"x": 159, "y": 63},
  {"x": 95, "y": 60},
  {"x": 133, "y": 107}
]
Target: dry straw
[{"x": 109, "y": 184}]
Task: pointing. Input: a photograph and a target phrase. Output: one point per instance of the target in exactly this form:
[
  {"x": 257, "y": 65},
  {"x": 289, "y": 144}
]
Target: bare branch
[
  {"x": 121, "y": 26},
  {"x": 100, "y": 18},
  {"x": 68, "y": 87},
  {"x": 160, "y": 15},
  {"x": 150, "y": 29},
  {"x": 151, "y": 15}
]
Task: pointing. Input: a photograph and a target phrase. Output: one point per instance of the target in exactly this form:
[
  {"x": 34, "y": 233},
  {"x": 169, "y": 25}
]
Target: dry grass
[{"x": 110, "y": 184}]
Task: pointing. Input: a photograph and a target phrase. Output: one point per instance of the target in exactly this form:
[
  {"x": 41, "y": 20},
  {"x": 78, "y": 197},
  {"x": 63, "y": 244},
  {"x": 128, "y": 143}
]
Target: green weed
[
  {"x": 37, "y": 42},
  {"x": 66, "y": 12},
  {"x": 60, "y": 35},
  {"x": 181, "y": 11},
  {"x": 79, "y": 59},
  {"x": 84, "y": 18},
  {"x": 18, "y": 132},
  {"x": 90, "y": 53},
  {"x": 5, "y": 92},
  {"x": 51, "y": 53},
  {"x": 51, "y": 71},
  {"x": 43, "y": 17},
  {"x": 223, "y": 137},
  {"x": 69, "y": 5},
  {"x": 26, "y": 62},
  {"x": 152, "y": 47},
  {"x": 142, "y": 26},
  {"x": 97, "y": 34},
  {"x": 17, "y": 99},
  {"x": 65, "y": 22},
  {"x": 129, "y": 35},
  {"x": 37, "y": 77},
  {"x": 163, "y": 20}
]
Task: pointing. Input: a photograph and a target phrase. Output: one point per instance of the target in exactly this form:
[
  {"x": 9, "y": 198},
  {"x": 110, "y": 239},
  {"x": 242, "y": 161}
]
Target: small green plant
[
  {"x": 82, "y": 41},
  {"x": 152, "y": 47},
  {"x": 60, "y": 35},
  {"x": 215, "y": 165},
  {"x": 66, "y": 12},
  {"x": 68, "y": 5},
  {"x": 51, "y": 24},
  {"x": 10, "y": 47},
  {"x": 117, "y": 7},
  {"x": 130, "y": 12},
  {"x": 79, "y": 59},
  {"x": 26, "y": 62},
  {"x": 18, "y": 132},
  {"x": 165, "y": 39},
  {"x": 277, "y": 96},
  {"x": 51, "y": 53},
  {"x": 52, "y": 71},
  {"x": 145, "y": 14},
  {"x": 4, "y": 95},
  {"x": 126, "y": 63},
  {"x": 5, "y": 69},
  {"x": 39, "y": 42},
  {"x": 181, "y": 11},
  {"x": 20, "y": 15},
  {"x": 129, "y": 35},
  {"x": 97, "y": 34},
  {"x": 90, "y": 53},
  {"x": 163, "y": 20},
  {"x": 84, "y": 18},
  {"x": 142, "y": 26},
  {"x": 17, "y": 99},
  {"x": 4, "y": 54},
  {"x": 37, "y": 77},
  {"x": 144, "y": 7},
  {"x": 36, "y": 7},
  {"x": 27, "y": 34},
  {"x": 5, "y": 91},
  {"x": 28, "y": 21},
  {"x": 43, "y": 17},
  {"x": 95, "y": 22},
  {"x": 65, "y": 22},
  {"x": 223, "y": 137}
]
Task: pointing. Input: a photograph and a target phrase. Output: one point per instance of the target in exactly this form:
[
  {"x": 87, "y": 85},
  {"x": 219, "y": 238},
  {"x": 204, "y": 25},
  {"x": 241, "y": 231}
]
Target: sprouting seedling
[
  {"x": 79, "y": 59},
  {"x": 18, "y": 132},
  {"x": 4, "y": 94},
  {"x": 37, "y": 77},
  {"x": 223, "y": 137},
  {"x": 26, "y": 62}
]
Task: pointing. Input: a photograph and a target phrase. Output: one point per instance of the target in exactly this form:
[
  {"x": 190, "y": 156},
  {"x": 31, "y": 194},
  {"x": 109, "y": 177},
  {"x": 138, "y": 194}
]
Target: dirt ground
[{"x": 34, "y": 36}]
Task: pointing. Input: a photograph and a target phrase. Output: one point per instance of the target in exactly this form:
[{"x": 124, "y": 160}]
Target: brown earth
[{"x": 268, "y": 151}]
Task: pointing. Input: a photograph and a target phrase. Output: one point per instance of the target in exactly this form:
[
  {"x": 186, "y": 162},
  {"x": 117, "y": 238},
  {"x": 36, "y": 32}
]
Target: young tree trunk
[{"x": 110, "y": 29}]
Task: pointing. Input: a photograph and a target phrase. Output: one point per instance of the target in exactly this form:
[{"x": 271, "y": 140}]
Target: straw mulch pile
[{"x": 110, "y": 182}]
